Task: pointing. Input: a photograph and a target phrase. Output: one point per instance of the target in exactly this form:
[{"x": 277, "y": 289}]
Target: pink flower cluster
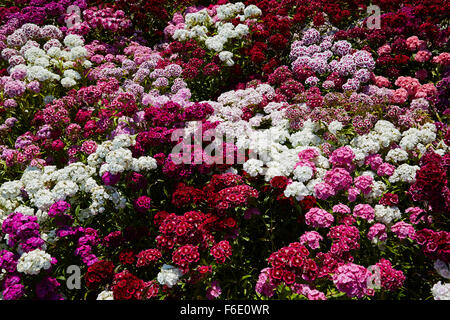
[
  {"x": 352, "y": 279},
  {"x": 311, "y": 238},
  {"x": 318, "y": 218}
]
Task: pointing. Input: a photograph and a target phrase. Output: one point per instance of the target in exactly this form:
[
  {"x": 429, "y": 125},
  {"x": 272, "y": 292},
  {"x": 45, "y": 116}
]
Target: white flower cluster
[
  {"x": 53, "y": 62},
  {"x": 114, "y": 157},
  {"x": 33, "y": 262},
  {"x": 230, "y": 10},
  {"x": 229, "y": 105},
  {"x": 418, "y": 138},
  {"x": 441, "y": 291},
  {"x": 270, "y": 154},
  {"x": 404, "y": 173},
  {"x": 227, "y": 57},
  {"x": 105, "y": 295},
  {"x": 297, "y": 190},
  {"x": 381, "y": 137},
  {"x": 386, "y": 214},
  {"x": 396, "y": 155},
  {"x": 200, "y": 25},
  {"x": 335, "y": 126},
  {"x": 45, "y": 186},
  {"x": 306, "y": 136},
  {"x": 73, "y": 41},
  {"x": 254, "y": 167},
  {"x": 383, "y": 134},
  {"x": 169, "y": 275},
  {"x": 303, "y": 173},
  {"x": 252, "y": 11}
]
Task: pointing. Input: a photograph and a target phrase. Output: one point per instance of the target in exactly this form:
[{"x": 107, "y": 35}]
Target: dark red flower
[
  {"x": 127, "y": 286},
  {"x": 99, "y": 273},
  {"x": 308, "y": 202},
  {"x": 389, "y": 199},
  {"x": 126, "y": 257},
  {"x": 279, "y": 182}
]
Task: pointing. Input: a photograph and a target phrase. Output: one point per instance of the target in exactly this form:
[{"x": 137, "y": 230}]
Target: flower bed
[{"x": 231, "y": 150}]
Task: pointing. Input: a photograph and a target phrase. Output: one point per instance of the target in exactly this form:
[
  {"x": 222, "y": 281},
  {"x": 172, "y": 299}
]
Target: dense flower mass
[{"x": 225, "y": 150}]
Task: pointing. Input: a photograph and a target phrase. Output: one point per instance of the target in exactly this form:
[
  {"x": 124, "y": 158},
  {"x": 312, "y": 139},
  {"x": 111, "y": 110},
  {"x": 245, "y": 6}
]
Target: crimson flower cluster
[
  {"x": 187, "y": 196},
  {"x": 221, "y": 251},
  {"x": 435, "y": 244},
  {"x": 431, "y": 182},
  {"x": 127, "y": 286},
  {"x": 99, "y": 273},
  {"x": 186, "y": 255},
  {"x": 292, "y": 263}
]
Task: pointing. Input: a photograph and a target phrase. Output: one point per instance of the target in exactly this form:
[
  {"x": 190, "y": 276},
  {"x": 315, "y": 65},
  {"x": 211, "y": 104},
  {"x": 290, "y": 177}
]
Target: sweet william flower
[
  {"x": 110, "y": 179},
  {"x": 319, "y": 218},
  {"x": 142, "y": 204},
  {"x": 33, "y": 262},
  {"x": 377, "y": 232},
  {"x": 89, "y": 147},
  {"x": 403, "y": 230},
  {"x": 441, "y": 291},
  {"x": 311, "y": 238},
  {"x": 14, "y": 292},
  {"x": 214, "y": 291},
  {"x": 105, "y": 295},
  {"x": 323, "y": 191},
  {"x": 58, "y": 145},
  {"x": 364, "y": 211},
  {"x": 127, "y": 286},
  {"x": 364, "y": 183},
  {"x": 169, "y": 275},
  {"x": 352, "y": 279}
]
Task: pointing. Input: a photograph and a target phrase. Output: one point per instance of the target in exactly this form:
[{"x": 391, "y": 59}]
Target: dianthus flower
[
  {"x": 338, "y": 178},
  {"x": 403, "y": 230},
  {"x": 377, "y": 232},
  {"x": 364, "y": 211},
  {"x": 352, "y": 280},
  {"x": 142, "y": 204},
  {"x": 318, "y": 218},
  {"x": 364, "y": 183},
  {"x": 311, "y": 238},
  {"x": 147, "y": 257},
  {"x": 127, "y": 286}
]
